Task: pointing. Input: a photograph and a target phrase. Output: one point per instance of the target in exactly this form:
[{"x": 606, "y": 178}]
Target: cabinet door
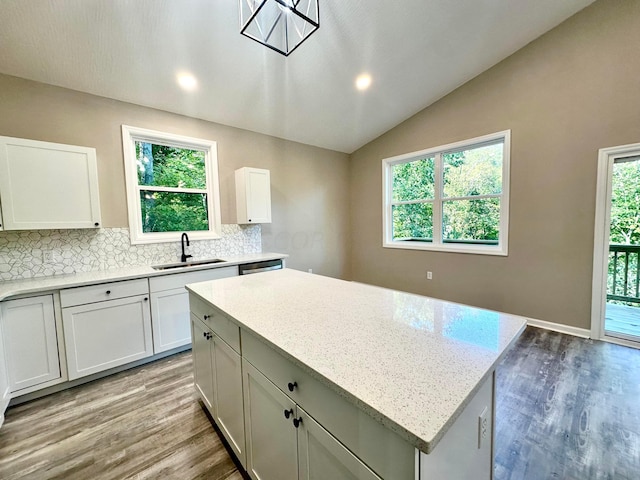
[
  {"x": 227, "y": 365},
  {"x": 48, "y": 185},
  {"x": 170, "y": 319},
  {"x": 103, "y": 335},
  {"x": 321, "y": 456},
  {"x": 271, "y": 438},
  {"x": 202, "y": 352},
  {"x": 253, "y": 195},
  {"x": 30, "y": 341},
  {"x": 4, "y": 379}
]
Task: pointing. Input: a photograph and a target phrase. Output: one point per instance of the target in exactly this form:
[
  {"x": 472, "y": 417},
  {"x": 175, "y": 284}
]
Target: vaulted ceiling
[{"x": 416, "y": 52}]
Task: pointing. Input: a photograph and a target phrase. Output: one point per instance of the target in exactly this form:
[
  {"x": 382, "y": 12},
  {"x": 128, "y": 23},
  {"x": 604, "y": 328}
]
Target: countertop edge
[
  {"x": 14, "y": 288},
  {"x": 449, "y": 423}
]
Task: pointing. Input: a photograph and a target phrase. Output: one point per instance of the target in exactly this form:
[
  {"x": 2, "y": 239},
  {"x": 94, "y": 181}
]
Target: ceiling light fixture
[
  {"x": 363, "y": 81},
  {"x": 187, "y": 81},
  {"x": 281, "y": 25}
]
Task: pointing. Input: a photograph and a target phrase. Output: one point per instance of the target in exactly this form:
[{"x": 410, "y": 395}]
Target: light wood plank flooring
[
  {"x": 144, "y": 423},
  {"x": 567, "y": 408}
]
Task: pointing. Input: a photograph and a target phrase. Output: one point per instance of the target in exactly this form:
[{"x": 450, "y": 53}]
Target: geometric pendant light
[{"x": 281, "y": 25}]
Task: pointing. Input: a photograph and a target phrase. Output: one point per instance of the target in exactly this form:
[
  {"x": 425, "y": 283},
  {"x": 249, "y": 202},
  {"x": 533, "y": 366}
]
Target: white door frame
[{"x": 606, "y": 158}]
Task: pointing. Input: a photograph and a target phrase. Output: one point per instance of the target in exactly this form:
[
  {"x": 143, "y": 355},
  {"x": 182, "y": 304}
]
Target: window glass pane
[
  {"x": 476, "y": 171},
  {"x": 625, "y": 191},
  {"x": 471, "y": 221},
  {"x": 413, "y": 221},
  {"x": 163, "y": 166},
  {"x": 413, "y": 180},
  {"x": 173, "y": 212}
]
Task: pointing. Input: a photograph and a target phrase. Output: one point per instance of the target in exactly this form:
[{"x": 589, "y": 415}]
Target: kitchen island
[{"x": 344, "y": 380}]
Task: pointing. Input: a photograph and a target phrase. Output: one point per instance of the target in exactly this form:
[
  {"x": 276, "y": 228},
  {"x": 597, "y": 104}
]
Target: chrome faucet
[{"x": 184, "y": 256}]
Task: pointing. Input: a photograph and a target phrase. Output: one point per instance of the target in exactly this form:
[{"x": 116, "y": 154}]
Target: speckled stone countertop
[
  {"x": 411, "y": 362},
  {"x": 57, "y": 282}
]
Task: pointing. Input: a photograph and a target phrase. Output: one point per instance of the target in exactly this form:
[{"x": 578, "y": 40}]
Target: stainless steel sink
[{"x": 195, "y": 263}]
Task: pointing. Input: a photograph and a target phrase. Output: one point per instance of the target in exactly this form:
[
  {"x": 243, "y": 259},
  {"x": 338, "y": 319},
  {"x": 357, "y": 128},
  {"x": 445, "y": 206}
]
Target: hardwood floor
[
  {"x": 144, "y": 423},
  {"x": 567, "y": 408}
]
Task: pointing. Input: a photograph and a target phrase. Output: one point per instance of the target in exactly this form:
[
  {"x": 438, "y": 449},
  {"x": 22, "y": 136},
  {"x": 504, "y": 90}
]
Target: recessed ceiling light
[
  {"x": 187, "y": 81},
  {"x": 363, "y": 81}
]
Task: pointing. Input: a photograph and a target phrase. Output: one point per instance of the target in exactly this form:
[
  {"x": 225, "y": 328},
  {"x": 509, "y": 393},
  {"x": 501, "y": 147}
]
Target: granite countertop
[
  {"x": 56, "y": 282},
  {"x": 412, "y": 362}
]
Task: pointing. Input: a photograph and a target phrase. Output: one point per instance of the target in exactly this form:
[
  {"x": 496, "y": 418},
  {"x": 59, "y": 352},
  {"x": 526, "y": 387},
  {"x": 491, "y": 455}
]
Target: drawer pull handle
[
  {"x": 146, "y": 299},
  {"x": 209, "y": 336},
  {"x": 297, "y": 422},
  {"x": 108, "y": 292},
  {"x": 204, "y": 334},
  {"x": 288, "y": 413},
  {"x": 207, "y": 317},
  {"x": 292, "y": 386}
]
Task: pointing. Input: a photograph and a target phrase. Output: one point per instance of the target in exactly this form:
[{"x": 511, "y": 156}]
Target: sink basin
[{"x": 195, "y": 263}]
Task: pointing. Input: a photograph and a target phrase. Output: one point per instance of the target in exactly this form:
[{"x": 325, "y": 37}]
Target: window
[
  {"x": 172, "y": 186},
  {"x": 453, "y": 198}
]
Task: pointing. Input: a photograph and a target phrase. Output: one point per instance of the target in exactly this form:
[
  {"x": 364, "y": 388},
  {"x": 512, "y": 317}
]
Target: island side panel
[{"x": 466, "y": 450}]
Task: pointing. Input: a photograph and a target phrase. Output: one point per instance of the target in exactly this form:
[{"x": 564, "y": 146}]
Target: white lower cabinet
[
  {"x": 30, "y": 341},
  {"x": 272, "y": 446},
  {"x": 259, "y": 406},
  {"x": 170, "y": 313},
  {"x": 227, "y": 394},
  {"x": 170, "y": 305},
  {"x": 5, "y": 392},
  {"x": 218, "y": 380},
  {"x": 202, "y": 351},
  {"x": 284, "y": 442},
  {"x": 321, "y": 456},
  {"x": 103, "y": 335}
]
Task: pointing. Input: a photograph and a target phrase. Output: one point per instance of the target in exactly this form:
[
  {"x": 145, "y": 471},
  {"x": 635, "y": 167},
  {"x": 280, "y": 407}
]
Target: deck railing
[{"x": 623, "y": 283}]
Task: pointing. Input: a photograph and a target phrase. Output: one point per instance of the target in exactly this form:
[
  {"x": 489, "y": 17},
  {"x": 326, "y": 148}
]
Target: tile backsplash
[{"x": 39, "y": 253}]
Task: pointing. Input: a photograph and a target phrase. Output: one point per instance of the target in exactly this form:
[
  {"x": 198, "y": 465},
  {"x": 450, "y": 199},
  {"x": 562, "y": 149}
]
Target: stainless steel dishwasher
[{"x": 257, "y": 267}]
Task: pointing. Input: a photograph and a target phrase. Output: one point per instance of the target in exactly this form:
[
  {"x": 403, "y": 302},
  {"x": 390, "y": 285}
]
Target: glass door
[{"x": 622, "y": 309}]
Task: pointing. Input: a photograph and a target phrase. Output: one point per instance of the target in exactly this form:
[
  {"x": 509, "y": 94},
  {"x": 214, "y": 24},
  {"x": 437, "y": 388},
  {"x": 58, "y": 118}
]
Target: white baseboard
[{"x": 558, "y": 327}]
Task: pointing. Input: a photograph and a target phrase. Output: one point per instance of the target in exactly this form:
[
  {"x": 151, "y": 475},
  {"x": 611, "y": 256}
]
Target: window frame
[
  {"x": 130, "y": 135},
  {"x": 437, "y": 243}
]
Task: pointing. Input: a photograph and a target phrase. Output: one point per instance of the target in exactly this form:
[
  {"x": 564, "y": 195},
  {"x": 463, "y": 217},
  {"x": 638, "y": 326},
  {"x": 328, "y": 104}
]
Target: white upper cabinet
[
  {"x": 47, "y": 185},
  {"x": 253, "y": 195}
]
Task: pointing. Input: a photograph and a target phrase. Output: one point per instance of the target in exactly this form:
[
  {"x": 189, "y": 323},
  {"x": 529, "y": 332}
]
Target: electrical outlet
[
  {"x": 429, "y": 275},
  {"x": 483, "y": 428}
]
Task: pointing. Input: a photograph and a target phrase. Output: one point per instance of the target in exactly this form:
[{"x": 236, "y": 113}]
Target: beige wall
[
  {"x": 564, "y": 96},
  {"x": 309, "y": 184}
]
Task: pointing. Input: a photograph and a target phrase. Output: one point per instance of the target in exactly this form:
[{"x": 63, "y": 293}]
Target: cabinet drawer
[
  {"x": 381, "y": 449},
  {"x": 179, "y": 280},
  {"x": 216, "y": 321},
  {"x": 103, "y": 291}
]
